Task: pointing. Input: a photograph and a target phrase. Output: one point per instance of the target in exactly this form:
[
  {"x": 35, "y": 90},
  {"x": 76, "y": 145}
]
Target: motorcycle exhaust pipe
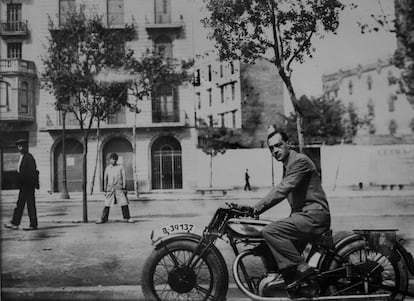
[{"x": 255, "y": 297}]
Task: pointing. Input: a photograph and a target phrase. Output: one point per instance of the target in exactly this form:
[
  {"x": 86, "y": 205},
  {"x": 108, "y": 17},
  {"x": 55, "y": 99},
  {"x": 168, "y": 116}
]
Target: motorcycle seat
[{"x": 325, "y": 239}]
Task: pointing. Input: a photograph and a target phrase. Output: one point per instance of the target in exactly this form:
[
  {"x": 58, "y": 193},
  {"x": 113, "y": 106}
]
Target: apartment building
[
  {"x": 373, "y": 90},
  {"x": 240, "y": 96},
  {"x": 163, "y": 132}
]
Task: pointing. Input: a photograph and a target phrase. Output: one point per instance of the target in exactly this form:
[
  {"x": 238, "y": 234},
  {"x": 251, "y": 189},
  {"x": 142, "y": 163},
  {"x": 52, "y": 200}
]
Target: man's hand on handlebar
[{"x": 246, "y": 210}]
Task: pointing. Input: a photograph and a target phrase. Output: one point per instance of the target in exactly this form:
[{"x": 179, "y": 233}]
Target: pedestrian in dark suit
[
  {"x": 247, "y": 180},
  {"x": 27, "y": 182},
  {"x": 309, "y": 218}
]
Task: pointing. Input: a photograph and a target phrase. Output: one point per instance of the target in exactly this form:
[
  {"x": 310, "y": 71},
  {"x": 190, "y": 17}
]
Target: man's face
[
  {"x": 278, "y": 147},
  {"x": 112, "y": 161},
  {"x": 21, "y": 148}
]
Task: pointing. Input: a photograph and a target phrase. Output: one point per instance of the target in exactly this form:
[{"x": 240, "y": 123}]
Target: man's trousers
[
  {"x": 25, "y": 196},
  {"x": 287, "y": 238}
]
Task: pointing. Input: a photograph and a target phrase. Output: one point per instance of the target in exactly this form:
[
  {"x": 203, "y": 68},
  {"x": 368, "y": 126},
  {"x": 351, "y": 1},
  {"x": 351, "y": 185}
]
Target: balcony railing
[
  {"x": 17, "y": 66},
  {"x": 14, "y": 28},
  {"x": 145, "y": 119}
]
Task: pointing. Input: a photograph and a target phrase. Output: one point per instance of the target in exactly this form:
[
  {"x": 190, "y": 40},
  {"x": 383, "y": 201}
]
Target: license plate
[{"x": 177, "y": 228}]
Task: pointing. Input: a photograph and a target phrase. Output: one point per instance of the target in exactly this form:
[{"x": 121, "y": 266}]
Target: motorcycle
[{"x": 360, "y": 265}]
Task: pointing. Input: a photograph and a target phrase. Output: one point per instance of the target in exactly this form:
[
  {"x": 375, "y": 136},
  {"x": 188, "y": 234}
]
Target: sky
[{"x": 346, "y": 49}]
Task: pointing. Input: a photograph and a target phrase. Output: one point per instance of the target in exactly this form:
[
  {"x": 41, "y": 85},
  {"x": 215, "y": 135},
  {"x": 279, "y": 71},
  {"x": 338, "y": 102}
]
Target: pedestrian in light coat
[{"x": 115, "y": 190}]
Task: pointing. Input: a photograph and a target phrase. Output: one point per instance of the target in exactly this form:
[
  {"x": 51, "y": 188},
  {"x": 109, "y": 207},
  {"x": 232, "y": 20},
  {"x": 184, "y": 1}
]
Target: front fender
[
  {"x": 408, "y": 258},
  {"x": 177, "y": 236}
]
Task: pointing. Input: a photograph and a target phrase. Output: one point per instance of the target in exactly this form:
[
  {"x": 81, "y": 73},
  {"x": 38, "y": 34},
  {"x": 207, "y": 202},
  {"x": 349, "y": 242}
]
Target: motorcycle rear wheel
[
  {"x": 377, "y": 273},
  {"x": 165, "y": 276}
]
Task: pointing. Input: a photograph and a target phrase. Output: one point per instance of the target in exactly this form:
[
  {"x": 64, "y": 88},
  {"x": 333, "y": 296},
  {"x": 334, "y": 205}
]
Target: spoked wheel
[
  {"x": 366, "y": 271},
  {"x": 166, "y": 275}
]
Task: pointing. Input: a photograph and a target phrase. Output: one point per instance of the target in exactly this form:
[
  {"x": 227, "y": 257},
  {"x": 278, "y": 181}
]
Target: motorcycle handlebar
[{"x": 243, "y": 210}]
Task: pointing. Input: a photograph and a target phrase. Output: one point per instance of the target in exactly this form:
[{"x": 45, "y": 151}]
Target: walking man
[
  {"x": 247, "y": 181},
  {"x": 27, "y": 182}
]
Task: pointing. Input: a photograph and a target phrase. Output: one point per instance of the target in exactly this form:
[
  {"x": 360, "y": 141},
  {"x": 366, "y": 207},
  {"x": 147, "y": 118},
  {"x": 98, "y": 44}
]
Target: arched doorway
[
  {"x": 123, "y": 149},
  {"x": 74, "y": 150},
  {"x": 166, "y": 164}
]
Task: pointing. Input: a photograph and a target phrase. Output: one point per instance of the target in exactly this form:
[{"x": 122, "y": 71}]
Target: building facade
[
  {"x": 373, "y": 90},
  {"x": 236, "y": 95},
  {"x": 164, "y": 134}
]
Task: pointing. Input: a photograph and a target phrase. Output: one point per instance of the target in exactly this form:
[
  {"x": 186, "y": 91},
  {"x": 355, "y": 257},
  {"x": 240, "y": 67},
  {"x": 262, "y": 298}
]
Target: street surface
[{"x": 66, "y": 253}]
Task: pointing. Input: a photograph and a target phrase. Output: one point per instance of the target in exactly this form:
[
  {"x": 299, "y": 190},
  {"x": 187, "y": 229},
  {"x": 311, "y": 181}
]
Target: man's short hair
[
  {"x": 113, "y": 156},
  {"x": 273, "y": 131},
  {"x": 22, "y": 142}
]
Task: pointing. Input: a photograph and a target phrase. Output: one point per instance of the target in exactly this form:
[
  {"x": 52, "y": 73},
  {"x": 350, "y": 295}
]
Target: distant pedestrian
[
  {"x": 247, "y": 180},
  {"x": 27, "y": 182},
  {"x": 115, "y": 190}
]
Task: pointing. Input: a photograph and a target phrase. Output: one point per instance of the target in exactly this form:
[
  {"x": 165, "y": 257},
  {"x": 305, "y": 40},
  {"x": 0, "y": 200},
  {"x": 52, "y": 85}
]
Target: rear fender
[
  {"x": 407, "y": 257},
  {"x": 340, "y": 239}
]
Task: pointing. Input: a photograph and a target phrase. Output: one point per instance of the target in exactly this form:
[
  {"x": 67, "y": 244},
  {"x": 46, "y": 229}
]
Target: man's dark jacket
[
  {"x": 300, "y": 184},
  {"x": 27, "y": 176}
]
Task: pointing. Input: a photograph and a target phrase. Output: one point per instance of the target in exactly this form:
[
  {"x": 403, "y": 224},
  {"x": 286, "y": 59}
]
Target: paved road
[{"x": 65, "y": 252}]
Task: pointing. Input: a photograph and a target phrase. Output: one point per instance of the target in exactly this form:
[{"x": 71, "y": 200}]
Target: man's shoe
[
  {"x": 100, "y": 222},
  {"x": 30, "y": 228},
  {"x": 302, "y": 271},
  {"x": 128, "y": 220},
  {"x": 11, "y": 226}
]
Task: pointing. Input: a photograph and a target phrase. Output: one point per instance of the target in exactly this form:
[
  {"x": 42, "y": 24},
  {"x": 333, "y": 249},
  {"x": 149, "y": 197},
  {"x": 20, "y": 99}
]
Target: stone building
[
  {"x": 373, "y": 90},
  {"x": 165, "y": 128},
  {"x": 236, "y": 95}
]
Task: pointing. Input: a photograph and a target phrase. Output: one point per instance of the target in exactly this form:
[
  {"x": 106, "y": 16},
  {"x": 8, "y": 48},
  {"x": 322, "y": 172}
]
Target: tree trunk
[
  {"x": 64, "y": 194},
  {"x": 97, "y": 157},
  {"x": 84, "y": 180},
  {"x": 134, "y": 147},
  {"x": 211, "y": 170},
  {"x": 299, "y": 113}
]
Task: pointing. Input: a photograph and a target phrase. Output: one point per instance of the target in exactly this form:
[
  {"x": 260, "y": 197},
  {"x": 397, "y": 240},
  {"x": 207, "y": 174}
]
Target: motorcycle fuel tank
[{"x": 247, "y": 227}]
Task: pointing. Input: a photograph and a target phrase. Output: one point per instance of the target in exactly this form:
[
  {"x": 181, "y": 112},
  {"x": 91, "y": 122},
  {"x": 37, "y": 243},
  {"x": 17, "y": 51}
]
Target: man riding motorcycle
[{"x": 310, "y": 216}]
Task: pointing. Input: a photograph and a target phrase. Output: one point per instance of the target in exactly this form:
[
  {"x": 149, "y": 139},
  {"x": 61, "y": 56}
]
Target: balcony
[
  {"x": 14, "y": 29},
  {"x": 145, "y": 119},
  {"x": 162, "y": 23},
  {"x": 17, "y": 66}
]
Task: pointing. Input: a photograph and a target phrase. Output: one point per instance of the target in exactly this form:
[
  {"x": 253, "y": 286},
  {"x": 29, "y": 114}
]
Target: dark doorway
[{"x": 74, "y": 150}]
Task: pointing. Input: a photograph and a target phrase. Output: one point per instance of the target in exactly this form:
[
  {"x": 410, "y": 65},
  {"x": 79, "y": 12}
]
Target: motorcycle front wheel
[{"x": 166, "y": 275}]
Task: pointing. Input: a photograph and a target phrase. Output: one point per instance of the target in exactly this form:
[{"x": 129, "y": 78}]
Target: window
[
  {"x": 14, "y": 16},
  {"x": 391, "y": 78},
  {"x": 162, "y": 11},
  {"x": 24, "y": 98},
  {"x": 66, "y": 8},
  {"x": 209, "y": 73},
  {"x": 165, "y": 104},
  {"x": 392, "y": 127},
  {"x": 221, "y": 70},
  {"x": 350, "y": 87},
  {"x": 222, "y": 94},
  {"x": 412, "y": 125},
  {"x": 369, "y": 82},
  {"x": 119, "y": 117},
  {"x": 210, "y": 97},
  {"x": 115, "y": 12},
  {"x": 231, "y": 68},
  {"x": 163, "y": 47},
  {"x": 210, "y": 120},
  {"x": 223, "y": 124},
  {"x": 391, "y": 102},
  {"x": 234, "y": 118},
  {"x": 14, "y": 50},
  {"x": 4, "y": 96},
  {"x": 198, "y": 100},
  {"x": 371, "y": 108},
  {"x": 233, "y": 91}
]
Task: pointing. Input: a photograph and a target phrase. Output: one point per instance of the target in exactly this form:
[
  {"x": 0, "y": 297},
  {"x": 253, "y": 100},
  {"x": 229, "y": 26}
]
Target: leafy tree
[
  {"x": 279, "y": 31},
  {"x": 77, "y": 50},
  {"x": 327, "y": 121},
  {"x": 402, "y": 25},
  {"x": 216, "y": 140}
]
